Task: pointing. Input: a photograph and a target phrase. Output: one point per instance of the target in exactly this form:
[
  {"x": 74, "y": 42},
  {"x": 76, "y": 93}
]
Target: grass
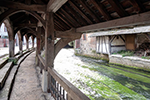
[
  {"x": 116, "y": 73},
  {"x": 128, "y": 74},
  {"x": 147, "y": 57},
  {"x": 125, "y": 53},
  {"x": 108, "y": 88},
  {"x": 92, "y": 57}
]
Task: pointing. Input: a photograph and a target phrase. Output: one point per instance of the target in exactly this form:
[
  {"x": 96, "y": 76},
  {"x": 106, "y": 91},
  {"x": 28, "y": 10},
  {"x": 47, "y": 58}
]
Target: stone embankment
[{"x": 130, "y": 61}]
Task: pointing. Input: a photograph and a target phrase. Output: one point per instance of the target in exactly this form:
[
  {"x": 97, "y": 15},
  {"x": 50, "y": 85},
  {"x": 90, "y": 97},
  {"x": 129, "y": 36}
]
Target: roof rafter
[
  {"x": 89, "y": 11},
  {"x": 63, "y": 20},
  {"x": 117, "y": 7},
  {"x": 80, "y": 12},
  {"x": 76, "y": 15},
  {"x": 101, "y": 9},
  {"x": 138, "y": 5},
  {"x": 54, "y": 5},
  {"x": 70, "y": 17}
]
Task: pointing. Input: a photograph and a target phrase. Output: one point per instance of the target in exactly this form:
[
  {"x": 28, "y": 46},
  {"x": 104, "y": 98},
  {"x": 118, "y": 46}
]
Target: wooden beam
[
  {"x": 70, "y": 18},
  {"x": 63, "y": 24},
  {"x": 72, "y": 34},
  {"x": 10, "y": 12},
  {"x": 49, "y": 39},
  {"x": 101, "y": 10},
  {"x": 58, "y": 24},
  {"x": 138, "y": 19},
  {"x": 66, "y": 19},
  {"x": 76, "y": 15},
  {"x": 60, "y": 44},
  {"x": 80, "y": 12},
  {"x": 72, "y": 91},
  {"x": 137, "y": 5},
  {"x": 95, "y": 18},
  {"x": 148, "y": 36},
  {"x": 18, "y": 19},
  {"x": 17, "y": 5},
  {"x": 54, "y": 5},
  {"x": 117, "y": 7},
  {"x": 63, "y": 20},
  {"x": 33, "y": 25}
]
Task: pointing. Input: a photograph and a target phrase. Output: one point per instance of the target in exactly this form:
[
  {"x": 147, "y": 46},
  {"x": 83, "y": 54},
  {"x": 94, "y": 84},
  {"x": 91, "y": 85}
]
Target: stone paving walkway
[{"x": 27, "y": 84}]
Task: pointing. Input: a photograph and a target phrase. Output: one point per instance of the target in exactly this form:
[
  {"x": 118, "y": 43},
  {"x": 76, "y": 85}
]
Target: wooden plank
[
  {"x": 101, "y": 10},
  {"x": 95, "y": 18},
  {"x": 138, "y": 19},
  {"x": 76, "y": 15},
  {"x": 117, "y": 45},
  {"x": 61, "y": 23},
  {"x": 63, "y": 20},
  {"x": 67, "y": 19},
  {"x": 54, "y": 5},
  {"x": 74, "y": 93},
  {"x": 80, "y": 12},
  {"x": 17, "y": 5},
  {"x": 137, "y": 5},
  {"x": 117, "y": 7},
  {"x": 70, "y": 17},
  {"x": 32, "y": 25},
  {"x": 130, "y": 41}
]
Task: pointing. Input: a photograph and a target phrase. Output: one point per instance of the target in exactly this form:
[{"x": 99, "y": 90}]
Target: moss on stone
[
  {"x": 92, "y": 57},
  {"x": 132, "y": 67}
]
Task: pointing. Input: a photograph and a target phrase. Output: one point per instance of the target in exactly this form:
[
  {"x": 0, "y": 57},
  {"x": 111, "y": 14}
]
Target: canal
[{"x": 100, "y": 80}]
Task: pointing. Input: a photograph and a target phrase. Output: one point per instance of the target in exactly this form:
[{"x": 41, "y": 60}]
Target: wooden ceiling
[{"x": 74, "y": 13}]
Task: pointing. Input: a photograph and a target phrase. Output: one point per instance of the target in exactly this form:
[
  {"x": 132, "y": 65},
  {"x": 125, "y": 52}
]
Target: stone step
[
  {"x": 4, "y": 72},
  {"x": 4, "y": 93},
  {"x": 3, "y": 61}
]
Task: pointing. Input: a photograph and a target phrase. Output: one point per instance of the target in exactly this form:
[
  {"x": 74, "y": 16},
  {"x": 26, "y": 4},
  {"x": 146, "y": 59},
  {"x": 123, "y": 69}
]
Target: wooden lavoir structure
[{"x": 48, "y": 20}]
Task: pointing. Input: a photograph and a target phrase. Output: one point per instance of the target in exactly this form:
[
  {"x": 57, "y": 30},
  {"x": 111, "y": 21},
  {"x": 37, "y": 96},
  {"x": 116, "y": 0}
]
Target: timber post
[
  {"x": 38, "y": 44},
  {"x": 49, "y": 50},
  {"x": 11, "y": 38},
  {"x": 33, "y": 41},
  {"x": 27, "y": 41},
  {"x": 11, "y": 48},
  {"x": 20, "y": 42}
]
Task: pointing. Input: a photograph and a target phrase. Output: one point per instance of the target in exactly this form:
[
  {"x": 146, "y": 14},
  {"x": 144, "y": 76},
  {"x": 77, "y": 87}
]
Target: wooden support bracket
[{"x": 66, "y": 37}]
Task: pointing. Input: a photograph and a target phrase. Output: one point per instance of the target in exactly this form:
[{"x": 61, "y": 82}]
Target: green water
[{"x": 113, "y": 82}]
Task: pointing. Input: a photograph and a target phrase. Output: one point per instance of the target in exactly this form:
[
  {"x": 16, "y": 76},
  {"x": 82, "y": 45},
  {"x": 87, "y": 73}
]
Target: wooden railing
[{"x": 62, "y": 89}]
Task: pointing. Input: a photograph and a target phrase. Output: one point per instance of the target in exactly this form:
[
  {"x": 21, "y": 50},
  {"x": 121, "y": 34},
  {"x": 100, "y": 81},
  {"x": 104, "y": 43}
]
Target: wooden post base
[{"x": 44, "y": 80}]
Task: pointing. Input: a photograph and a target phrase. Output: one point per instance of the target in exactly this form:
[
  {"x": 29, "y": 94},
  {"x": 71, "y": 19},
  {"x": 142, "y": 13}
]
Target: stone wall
[
  {"x": 130, "y": 61},
  {"x": 86, "y": 46}
]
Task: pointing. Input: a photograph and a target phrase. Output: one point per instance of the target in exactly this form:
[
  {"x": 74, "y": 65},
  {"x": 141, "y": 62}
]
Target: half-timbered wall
[
  {"x": 102, "y": 45},
  {"x": 117, "y": 43}
]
